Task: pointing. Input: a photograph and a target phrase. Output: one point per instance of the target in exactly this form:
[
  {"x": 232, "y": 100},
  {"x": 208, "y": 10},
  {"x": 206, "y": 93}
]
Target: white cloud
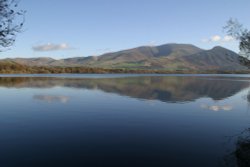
[
  {"x": 215, "y": 38},
  {"x": 218, "y": 38},
  {"x": 51, "y": 47},
  {"x": 50, "y": 99},
  {"x": 228, "y": 38}
]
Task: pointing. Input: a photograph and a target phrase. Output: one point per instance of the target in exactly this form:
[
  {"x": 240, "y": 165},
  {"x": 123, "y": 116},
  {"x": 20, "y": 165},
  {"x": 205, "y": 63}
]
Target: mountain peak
[
  {"x": 219, "y": 48},
  {"x": 171, "y": 56}
]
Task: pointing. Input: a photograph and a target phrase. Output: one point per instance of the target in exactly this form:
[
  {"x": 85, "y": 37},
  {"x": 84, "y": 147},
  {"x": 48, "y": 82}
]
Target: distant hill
[{"x": 165, "y": 57}]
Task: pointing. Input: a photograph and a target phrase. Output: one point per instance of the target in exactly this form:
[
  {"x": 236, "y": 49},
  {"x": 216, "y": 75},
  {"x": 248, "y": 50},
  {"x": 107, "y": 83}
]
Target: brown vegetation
[{"x": 9, "y": 67}]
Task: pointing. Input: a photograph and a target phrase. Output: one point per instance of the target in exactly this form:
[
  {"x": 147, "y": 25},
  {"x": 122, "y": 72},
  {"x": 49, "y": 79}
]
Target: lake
[{"x": 122, "y": 120}]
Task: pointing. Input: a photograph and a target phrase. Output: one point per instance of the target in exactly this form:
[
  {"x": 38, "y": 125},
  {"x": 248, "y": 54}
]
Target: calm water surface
[{"x": 122, "y": 120}]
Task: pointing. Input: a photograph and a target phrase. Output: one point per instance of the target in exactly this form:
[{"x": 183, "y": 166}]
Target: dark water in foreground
[{"x": 124, "y": 121}]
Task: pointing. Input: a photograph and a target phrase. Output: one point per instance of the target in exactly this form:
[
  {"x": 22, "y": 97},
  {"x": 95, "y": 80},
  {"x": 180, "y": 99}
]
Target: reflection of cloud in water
[
  {"x": 151, "y": 102},
  {"x": 50, "y": 98},
  {"x": 217, "y": 107}
]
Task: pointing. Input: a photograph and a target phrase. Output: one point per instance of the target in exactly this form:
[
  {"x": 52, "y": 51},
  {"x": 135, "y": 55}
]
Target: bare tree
[
  {"x": 11, "y": 22},
  {"x": 236, "y": 30}
]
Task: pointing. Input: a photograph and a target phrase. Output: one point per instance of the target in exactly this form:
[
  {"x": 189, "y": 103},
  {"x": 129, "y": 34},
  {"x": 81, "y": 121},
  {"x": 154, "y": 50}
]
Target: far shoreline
[{"x": 15, "y": 68}]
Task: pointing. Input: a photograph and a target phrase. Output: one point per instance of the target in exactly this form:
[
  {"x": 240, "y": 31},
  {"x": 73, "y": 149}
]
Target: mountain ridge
[{"x": 165, "y": 57}]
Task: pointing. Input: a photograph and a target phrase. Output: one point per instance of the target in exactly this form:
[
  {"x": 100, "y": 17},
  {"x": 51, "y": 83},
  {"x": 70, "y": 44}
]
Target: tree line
[{"x": 10, "y": 67}]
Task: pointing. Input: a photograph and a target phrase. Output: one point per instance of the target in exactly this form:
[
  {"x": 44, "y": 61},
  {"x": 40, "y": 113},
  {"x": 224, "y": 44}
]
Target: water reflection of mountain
[{"x": 167, "y": 89}]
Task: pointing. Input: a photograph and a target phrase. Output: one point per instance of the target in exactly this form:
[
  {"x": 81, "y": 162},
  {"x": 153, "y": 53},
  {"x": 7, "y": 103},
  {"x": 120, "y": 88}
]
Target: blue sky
[{"x": 75, "y": 28}]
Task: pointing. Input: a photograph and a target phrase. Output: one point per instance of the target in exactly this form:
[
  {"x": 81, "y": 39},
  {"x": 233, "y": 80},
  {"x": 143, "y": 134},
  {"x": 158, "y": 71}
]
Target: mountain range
[{"x": 163, "y": 57}]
